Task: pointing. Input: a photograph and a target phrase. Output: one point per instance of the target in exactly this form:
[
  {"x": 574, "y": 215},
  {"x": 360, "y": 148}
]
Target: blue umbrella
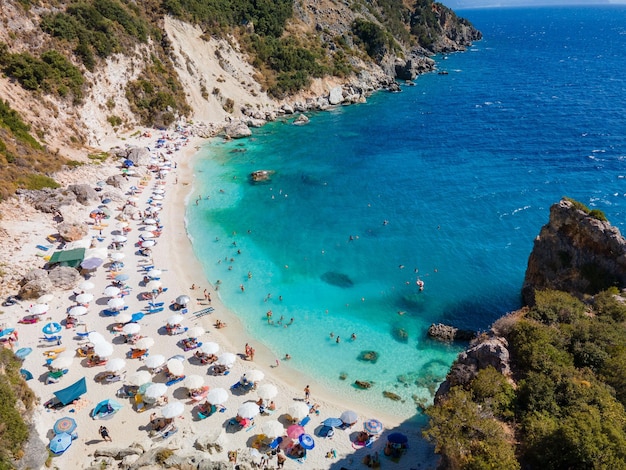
[
  {"x": 60, "y": 443},
  {"x": 64, "y": 425},
  {"x": 332, "y": 422},
  {"x": 122, "y": 277},
  {"x": 397, "y": 438},
  {"x": 128, "y": 162},
  {"x": 136, "y": 317},
  {"x": 306, "y": 441},
  {"x": 51, "y": 328},
  {"x": 6, "y": 331},
  {"x": 91, "y": 263}
]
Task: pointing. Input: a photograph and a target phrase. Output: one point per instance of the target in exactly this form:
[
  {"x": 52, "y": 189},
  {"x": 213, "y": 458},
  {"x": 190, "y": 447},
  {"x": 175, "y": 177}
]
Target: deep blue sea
[{"x": 447, "y": 182}]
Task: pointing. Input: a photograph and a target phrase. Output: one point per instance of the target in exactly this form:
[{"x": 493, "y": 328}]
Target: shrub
[
  {"x": 37, "y": 181},
  {"x": 556, "y": 306}
]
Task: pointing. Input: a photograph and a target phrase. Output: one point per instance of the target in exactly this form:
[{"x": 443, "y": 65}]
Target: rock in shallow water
[{"x": 337, "y": 279}]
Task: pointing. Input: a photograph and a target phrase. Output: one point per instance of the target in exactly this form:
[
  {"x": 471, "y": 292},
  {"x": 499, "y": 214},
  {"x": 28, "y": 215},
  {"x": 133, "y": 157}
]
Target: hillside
[{"x": 79, "y": 75}]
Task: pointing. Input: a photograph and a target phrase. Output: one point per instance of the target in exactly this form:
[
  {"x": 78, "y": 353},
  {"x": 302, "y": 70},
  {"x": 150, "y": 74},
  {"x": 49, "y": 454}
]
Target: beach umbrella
[
  {"x": 298, "y": 410},
  {"x": 156, "y": 390},
  {"x": 272, "y": 429},
  {"x": 194, "y": 381},
  {"x": 51, "y": 328},
  {"x": 254, "y": 375},
  {"x": 133, "y": 199},
  {"x": 123, "y": 318},
  {"x": 144, "y": 343},
  {"x": 135, "y": 317},
  {"x": 148, "y": 243},
  {"x": 112, "y": 291},
  {"x": 295, "y": 431},
  {"x": 217, "y": 396},
  {"x": 115, "y": 365},
  {"x": 117, "y": 256},
  {"x": 153, "y": 285},
  {"x": 195, "y": 332},
  {"x": 149, "y": 221},
  {"x": 84, "y": 298},
  {"x": 91, "y": 263},
  {"x": 65, "y": 424},
  {"x": 44, "y": 299},
  {"x": 373, "y": 426},
  {"x": 38, "y": 309},
  {"x": 78, "y": 311},
  {"x": 332, "y": 422},
  {"x": 149, "y": 228},
  {"x": 158, "y": 191},
  {"x": 226, "y": 359},
  {"x": 122, "y": 277},
  {"x": 103, "y": 349},
  {"x": 182, "y": 299},
  {"x": 95, "y": 337},
  {"x": 86, "y": 285},
  {"x": 154, "y": 361},
  {"x": 397, "y": 438},
  {"x": 62, "y": 362},
  {"x": 248, "y": 410},
  {"x": 306, "y": 441},
  {"x": 157, "y": 197},
  {"x": 173, "y": 409},
  {"x": 349, "y": 417},
  {"x": 131, "y": 329},
  {"x": 209, "y": 348},
  {"x": 60, "y": 443},
  {"x": 145, "y": 236},
  {"x": 175, "y": 367},
  {"x": 175, "y": 320},
  {"x": 116, "y": 303},
  {"x": 119, "y": 239},
  {"x": 100, "y": 253},
  {"x": 267, "y": 391},
  {"x": 139, "y": 378},
  {"x": 154, "y": 273}
]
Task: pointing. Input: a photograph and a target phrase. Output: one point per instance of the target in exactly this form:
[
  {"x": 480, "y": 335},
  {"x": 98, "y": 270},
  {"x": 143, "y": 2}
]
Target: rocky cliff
[{"x": 577, "y": 251}]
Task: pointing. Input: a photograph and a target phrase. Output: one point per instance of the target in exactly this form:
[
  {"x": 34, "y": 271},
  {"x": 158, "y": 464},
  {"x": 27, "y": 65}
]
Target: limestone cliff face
[{"x": 575, "y": 253}]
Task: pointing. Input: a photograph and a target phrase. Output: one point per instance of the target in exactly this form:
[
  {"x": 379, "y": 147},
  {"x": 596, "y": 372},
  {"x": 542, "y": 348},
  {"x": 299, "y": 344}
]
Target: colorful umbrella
[
  {"x": 373, "y": 426},
  {"x": 332, "y": 422},
  {"x": 91, "y": 263},
  {"x": 60, "y": 443},
  {"x": 65, "y": 424},
  {"x": 397, "y": 438},
  {"x": 51, "y": 328},
  {"x": 306, "y": 441},
  {"x": 295, "y": 431}
]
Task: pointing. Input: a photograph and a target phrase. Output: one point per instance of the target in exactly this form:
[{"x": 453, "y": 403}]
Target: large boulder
[
  {"x": 335, "y": 96},
  {"x": 50, "y": 200},
  {"x": 35, "y": 288},
  {"x": 237, "y": 130},
  {"x": 140, "y": 156},
  {"x": 301, "y": 120},
  {"x": 72, "y": 232},
  {"x": 64, "y": 277},
  {"x": 85, "y": 194},
  {"x": 117, "y": 181},
  {"x": 448, "y": 333},
  {"x": 34, "y": 275}
]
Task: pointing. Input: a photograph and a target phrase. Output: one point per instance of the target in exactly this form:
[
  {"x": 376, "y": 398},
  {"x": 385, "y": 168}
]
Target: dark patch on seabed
[{"x": 337, "y": 279}]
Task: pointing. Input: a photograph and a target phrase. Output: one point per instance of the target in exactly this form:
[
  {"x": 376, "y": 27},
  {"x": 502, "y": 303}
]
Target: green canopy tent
[{"x": 71, "y": 258}]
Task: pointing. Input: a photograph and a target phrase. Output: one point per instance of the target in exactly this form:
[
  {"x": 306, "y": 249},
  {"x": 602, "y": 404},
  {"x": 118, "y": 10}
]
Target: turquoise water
[{"x": 448, "y": 182}]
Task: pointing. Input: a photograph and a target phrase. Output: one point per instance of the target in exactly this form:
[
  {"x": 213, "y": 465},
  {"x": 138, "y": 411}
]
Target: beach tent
[
  {"x": 71, "y": 393},
  {"x": 71, "y": 258},
  {"x": 105, "y": 409}
]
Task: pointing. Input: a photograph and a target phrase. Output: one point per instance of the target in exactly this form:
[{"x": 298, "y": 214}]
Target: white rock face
[{"x": 336, "y": 95}]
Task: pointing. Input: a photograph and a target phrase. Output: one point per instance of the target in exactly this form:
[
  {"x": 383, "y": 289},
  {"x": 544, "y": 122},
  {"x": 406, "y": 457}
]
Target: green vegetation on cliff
[{"x": 567, "y": 409}]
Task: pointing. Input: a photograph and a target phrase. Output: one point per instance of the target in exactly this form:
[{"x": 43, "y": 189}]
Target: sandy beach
[{"x": 25, "y": 228}]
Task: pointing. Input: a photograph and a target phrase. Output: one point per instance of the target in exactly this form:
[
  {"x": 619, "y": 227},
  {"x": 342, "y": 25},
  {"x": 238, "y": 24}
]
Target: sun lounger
[
  {"x": 110, "y": 313},
  {"x": 44, "y": 247},
  {"x": 203, "y": 312},
  {"x": 154, "y": 310},
  {"x": 175, "y": 380},
  {"x": 52, "y": 339},
  {"x": 275, "y": 443},
  {"x": 156, "y": 304},
  {"x": 305, "y": 421}
]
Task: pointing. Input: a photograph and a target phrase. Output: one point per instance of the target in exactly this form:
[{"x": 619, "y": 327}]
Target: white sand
[{"x": 22, "y": 228}]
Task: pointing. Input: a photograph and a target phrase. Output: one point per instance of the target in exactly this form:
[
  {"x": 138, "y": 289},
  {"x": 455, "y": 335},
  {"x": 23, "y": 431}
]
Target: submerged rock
[
  {"x": 368, "y": 356},
  {"x": 392, "y": 396},
  {"x": 337, "y": 279},
  {"x": 364, "y": 384},
  {"x": 400, "y": 334}
]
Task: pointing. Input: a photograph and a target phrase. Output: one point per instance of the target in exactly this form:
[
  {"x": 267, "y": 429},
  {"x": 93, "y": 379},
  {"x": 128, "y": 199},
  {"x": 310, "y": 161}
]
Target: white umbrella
[
  {"x": 175, "y": 367},
  {"x": 78, "y": 311},
  {"x": 156, "y": 390},
  {"x": 133, "y": 199},
  {"x": 298, "y": 410},
  {"x": 217, "y": 396},
  {"x": 131, "y": 329},
  {"x": 38, "y": 309},
  {"x": 116, "y": 364},
  {"x": 349, "y": 417},
  {"x": 248, "y": 410},
  {"x": 159, "y": 191},
  {"x": 117, "y": 256},
  {"x": 100, "y": 253},
  {"x": 112, "y": 291},
  {"x": 84, "y": 298},
  {"x": 194, "y": 381},
  {"x": 209, "y": 348},
  {"x": 116, "y": 303},
  {"x": 154, "y": 273},
  {"x": 195, "y": 332},
  {"x": 183, "y": 299},
  {"x": 173, "y": 409},
  {"x": 272, "y": 429},
  {"x": 119, "y": 238},
  {"x": 95, "y": 337},
  {"x": 146, "y": 235},
  {"x": 103, "y": 349},
  {"x": 155, "y": 361},
  {"x": 226, "y": 359},
  {"x": 149, "y": 221},
  {"x": 175, "y": 320},
  {"x": 139, "y": 378},
  {"x": 123, "y": 317},
  {"x": 144, "y": 343},
  {"x": 148, "y": 243},
  {"x": 254, "y": 375},
  {"x": 86, "y": 285},
  {"x": 44, "y": 299},
  {"x": 62, "y": 362},
  {"x": 157, "y": 197},
  {"x": 153, "y": 285},
  {"x": 267, "y": 391},
  {"x": 149, "y": 228}
]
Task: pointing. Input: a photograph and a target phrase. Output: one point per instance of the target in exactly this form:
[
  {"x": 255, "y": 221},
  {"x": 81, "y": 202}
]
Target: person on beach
[
  {"x": 307, "y": 393},
  {"x": 104, "y": 433},
  {"x": 287, "y": 357}
]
